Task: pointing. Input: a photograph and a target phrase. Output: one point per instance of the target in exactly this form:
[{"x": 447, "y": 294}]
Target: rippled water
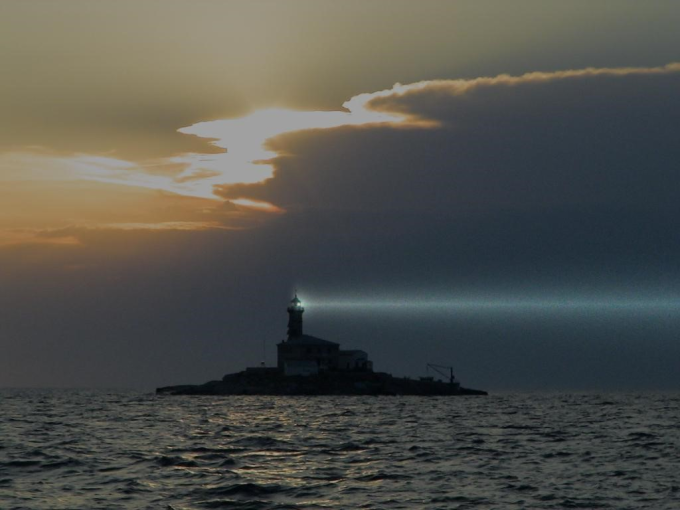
[{"x": 90, "y": 450}]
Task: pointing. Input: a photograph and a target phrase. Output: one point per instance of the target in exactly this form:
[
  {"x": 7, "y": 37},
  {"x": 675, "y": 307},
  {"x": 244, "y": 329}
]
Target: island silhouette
[{"x": 308, "y": 365}]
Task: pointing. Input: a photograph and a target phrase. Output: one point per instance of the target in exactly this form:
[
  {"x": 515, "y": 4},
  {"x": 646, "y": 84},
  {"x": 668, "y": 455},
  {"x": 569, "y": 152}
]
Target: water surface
[{"x": 129, "y": 450}]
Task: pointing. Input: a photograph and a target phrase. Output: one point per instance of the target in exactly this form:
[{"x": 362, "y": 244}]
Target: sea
[{"x": 78, "y": 449}]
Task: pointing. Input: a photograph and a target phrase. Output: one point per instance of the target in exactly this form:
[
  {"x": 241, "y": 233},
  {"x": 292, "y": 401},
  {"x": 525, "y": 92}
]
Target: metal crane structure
[{"x": 440, "y": 369}]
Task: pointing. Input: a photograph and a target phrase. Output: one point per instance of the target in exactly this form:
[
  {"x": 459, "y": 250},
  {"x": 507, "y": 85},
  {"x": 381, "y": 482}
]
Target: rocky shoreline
[{"x": 270, "y": 381}]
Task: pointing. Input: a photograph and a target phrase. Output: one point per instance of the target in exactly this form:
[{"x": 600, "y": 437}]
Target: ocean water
[{"x": 128, "y": 450}]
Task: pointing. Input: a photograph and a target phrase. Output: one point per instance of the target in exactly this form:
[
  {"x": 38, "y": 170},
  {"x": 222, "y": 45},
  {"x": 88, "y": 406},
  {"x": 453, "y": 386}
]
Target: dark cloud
[
  {"x": 560, "y": 186},
  {"x": 545, "y": 140}
]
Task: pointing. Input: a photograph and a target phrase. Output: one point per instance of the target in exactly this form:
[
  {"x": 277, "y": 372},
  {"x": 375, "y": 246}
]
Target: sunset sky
[{"x": 490, "y": 184}]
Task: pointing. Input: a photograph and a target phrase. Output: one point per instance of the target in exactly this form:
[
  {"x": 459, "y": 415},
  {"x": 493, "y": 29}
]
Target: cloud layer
[
  {"x": 554, "y": 183},
  {"x": 593, "y": 137}
]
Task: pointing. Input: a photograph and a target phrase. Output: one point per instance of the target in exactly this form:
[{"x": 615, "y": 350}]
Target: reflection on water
[{"x": 79, "y": 449}]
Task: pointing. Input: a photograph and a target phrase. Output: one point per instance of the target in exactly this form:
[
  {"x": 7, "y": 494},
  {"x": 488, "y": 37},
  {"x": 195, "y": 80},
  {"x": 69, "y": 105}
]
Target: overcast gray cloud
[{"x": 579, "y": 138}]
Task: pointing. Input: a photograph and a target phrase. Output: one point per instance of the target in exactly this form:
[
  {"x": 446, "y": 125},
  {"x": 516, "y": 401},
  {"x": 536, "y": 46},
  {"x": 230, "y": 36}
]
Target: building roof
[
  {"x": 352, "y": 351},
  {"x": 310, "y": 340}
]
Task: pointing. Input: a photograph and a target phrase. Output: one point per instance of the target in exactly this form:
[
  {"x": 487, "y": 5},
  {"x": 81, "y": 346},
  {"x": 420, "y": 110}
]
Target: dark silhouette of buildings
[
  {"x": 302, "y": 354},
  {"x": 308, "y": 365}
]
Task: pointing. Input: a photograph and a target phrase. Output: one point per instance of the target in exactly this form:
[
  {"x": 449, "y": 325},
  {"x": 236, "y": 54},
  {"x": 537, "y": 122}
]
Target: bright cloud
[
  {"x": 246, "y": 159},
  {"x": 392, "y": 100}
]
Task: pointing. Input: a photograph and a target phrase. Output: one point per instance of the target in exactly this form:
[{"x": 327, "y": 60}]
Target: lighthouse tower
[
  {"x": 303, "y": 355},
  {"x": 295, "y": 311}
]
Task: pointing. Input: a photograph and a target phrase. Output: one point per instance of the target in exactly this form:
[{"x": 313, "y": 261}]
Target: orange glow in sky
[
  {"x": 245, "y": 158},
  {"x": 63, "y": 179}
]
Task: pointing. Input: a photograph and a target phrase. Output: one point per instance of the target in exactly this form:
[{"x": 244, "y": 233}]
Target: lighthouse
[
  {"x": 295, "y": 311},
  {"x": 302, "y": 354}
]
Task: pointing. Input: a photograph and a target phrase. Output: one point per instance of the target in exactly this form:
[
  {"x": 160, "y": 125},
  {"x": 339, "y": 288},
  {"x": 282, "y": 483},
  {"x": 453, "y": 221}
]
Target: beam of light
[{"x": 496, "y": 305}]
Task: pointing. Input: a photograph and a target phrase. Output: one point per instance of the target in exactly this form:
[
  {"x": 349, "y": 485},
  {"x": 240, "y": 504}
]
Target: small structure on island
[
  {"x": 301, "y": 354},
  {"x": 307, "y": 365}
]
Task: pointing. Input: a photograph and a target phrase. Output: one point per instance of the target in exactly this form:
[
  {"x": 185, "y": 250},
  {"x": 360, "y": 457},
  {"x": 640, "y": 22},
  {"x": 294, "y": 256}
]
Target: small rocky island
[{"x": 307, "y": 365}]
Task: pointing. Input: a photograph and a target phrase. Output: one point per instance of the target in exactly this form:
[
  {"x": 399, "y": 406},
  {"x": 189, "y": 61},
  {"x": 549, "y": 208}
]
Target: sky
[{"x": 490, "y": 185}]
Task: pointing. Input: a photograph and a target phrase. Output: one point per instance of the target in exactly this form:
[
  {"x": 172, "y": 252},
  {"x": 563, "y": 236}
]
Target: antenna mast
[{"x": 440, "y": 370}]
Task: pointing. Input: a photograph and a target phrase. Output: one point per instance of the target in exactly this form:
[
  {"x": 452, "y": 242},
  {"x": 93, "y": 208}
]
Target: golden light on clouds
[
  {"x": 46, "y": 191},
  {"x": 32, "y": 173},
  {"x": 244, "y": 160},
  {"x": 256, "y": 205}
]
